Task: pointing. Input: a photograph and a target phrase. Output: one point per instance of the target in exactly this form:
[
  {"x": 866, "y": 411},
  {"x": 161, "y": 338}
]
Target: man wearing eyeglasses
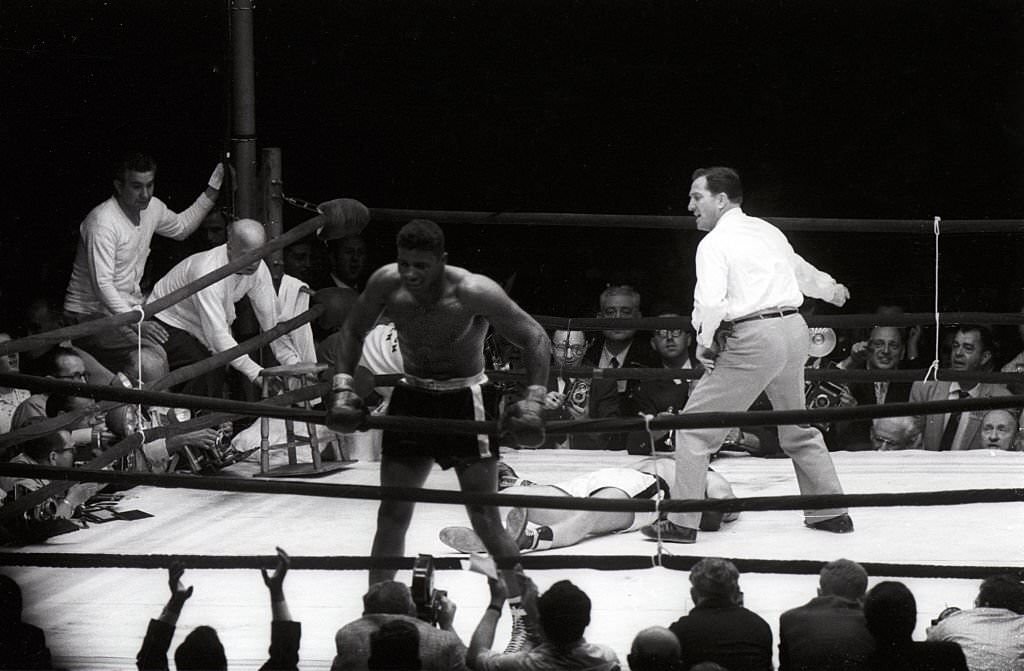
[
  {"x": 652, "y": 397},
  {"x": 577, "y": 397},
  {"x": 60, "y": 363},
  {"x": 884, "y": 351},
  {"x": 752, "y": 339}
]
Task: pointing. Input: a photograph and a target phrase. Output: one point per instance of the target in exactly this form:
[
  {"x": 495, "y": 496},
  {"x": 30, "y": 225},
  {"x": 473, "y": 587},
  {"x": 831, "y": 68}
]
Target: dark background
[{"x": 828, "y": 109}]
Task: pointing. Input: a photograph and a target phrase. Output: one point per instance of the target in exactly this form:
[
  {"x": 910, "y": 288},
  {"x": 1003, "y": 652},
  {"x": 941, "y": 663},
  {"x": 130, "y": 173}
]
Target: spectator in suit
[
  {"x": 348, "y": 261},
  {"x": 884, "y": 351},
  {"x": 389, "y": 602},
  {"x": 22, "y": 645},
  {"x": 577, "y": 397},
  {"x": 619, "y": 348},
  {"x": 829, "y": 631},
  {"x": 202, "y": 649},
  {"x": 718, "y": 628},
  {"x": 890, "y": 612},
  {"x": 655, "y": 649},
  {"x": 991, "y": 634},
  {"x": 652, "y": 397},
  {"x": 895, "y": 433},
  {"x": 973, "y": 351}
]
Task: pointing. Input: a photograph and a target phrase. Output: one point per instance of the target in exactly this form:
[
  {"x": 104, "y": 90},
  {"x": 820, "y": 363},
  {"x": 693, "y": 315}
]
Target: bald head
[
  {"x": 654, "y": 649},
  {"x": 244, "y": 236}
]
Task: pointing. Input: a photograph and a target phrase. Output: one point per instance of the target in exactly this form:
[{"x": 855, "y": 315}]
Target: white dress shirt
[
  {"x": 208, "y": 314},
  {"x": 746, "y": 265}
]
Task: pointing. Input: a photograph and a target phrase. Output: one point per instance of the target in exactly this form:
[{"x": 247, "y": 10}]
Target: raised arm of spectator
[
  {"x": 483, "y": 636},
  {"x": 153, "y": 653},
  {"x": 285, "y": 634}
]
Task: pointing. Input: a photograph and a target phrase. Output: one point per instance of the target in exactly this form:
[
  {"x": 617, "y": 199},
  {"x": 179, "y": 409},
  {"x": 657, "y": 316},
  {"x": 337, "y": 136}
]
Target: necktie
[
  {"x": 614, "y": 363},
  {"x": 946, "y": 443}
]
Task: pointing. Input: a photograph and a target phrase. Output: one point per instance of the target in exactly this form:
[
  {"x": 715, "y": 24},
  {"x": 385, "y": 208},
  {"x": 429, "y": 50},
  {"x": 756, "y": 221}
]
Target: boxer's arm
[
  {"x": 362, "y": 317},
  {"x": 489, "y": 300}
]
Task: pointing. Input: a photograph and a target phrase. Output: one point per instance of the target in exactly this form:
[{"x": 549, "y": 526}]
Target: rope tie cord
[{"x": 933, "y": 369}]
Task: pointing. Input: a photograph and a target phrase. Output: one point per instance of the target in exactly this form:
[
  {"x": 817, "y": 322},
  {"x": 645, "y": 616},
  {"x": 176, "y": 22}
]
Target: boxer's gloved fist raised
[
  {"x": 523, "y": 420},
  {"x": 345, "y": 411}
]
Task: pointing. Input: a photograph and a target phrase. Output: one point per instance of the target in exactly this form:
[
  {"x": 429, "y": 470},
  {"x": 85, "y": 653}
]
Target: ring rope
[
  {"x": 176, "y": 377},
  {"x": 370, "y": 492},
  {"x": 452, "y": 426},
  {"x": 529, "y": 562},
  {"x": 125, "y": 447},
  {"x": 869, "y": 320}
]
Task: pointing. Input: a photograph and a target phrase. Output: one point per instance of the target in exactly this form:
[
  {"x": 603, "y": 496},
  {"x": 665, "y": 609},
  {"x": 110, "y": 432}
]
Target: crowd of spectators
[{"x": 844, "y": 627}]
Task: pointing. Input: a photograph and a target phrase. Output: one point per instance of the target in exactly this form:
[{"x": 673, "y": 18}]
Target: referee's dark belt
[{"x": 767, "y": 314}]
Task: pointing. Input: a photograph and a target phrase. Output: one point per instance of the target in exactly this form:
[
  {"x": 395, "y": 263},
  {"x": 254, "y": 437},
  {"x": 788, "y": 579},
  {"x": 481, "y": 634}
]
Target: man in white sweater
[
  {"x": 200, "y": 325},
  {"x": 111, "y": 257}
]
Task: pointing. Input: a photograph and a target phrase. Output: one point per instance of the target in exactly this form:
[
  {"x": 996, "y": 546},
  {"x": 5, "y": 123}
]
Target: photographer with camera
[{"x": 440, "y": 648}]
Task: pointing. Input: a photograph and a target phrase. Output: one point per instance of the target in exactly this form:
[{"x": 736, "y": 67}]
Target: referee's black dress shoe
[
  {"x": 669, "y": 532},
  {"x": 837, "y": 525}
]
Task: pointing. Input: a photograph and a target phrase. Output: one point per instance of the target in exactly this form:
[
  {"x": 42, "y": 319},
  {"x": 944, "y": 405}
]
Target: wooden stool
[{"x": 306, "y": 374}]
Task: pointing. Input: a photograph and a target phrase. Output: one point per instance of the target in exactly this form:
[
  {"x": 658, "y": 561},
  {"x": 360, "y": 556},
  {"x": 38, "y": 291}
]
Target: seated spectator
[
  {"x": 718, "y": 628},
  {"x": 577, "y": 397},
  {"x": 89, "y": 431},
  {"x": 54, "y": 515},
  {"x": 22, "y": 645},
  {"x": 390, "y": 602},
  {"x": 59, "y": 363},
  {"x": 619, "y": 348},
  {"x": 202, "y": 649},
  {"x": 199, "y": 326},
  {"x": 895, "y": 433},
  {"x": 559, "y": 617},
  {"x": 348, "y": 261},
  {"x": 828, "y": 632},
  {"x": 884, "y": 351},
  {"x": 890, "y": 612},
  {"x": 999, "y": 430},
  {"x": 10, "y": 398},
  {"x": 395, "y": 647},
  {"x": 655, "y": 649},
  {"x": 653, "y": 397},
  {"x": 973, "y": 350},
  {"x": 991, "y": 634}
]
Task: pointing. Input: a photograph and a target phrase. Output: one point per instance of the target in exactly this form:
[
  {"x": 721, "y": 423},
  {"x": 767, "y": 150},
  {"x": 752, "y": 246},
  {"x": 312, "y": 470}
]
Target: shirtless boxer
[
  {"x": 441, "y": 314},
  {"x": 546, "y": 528}
]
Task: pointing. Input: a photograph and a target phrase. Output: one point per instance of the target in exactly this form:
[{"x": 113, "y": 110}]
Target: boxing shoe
[
  {"x": 507, "y": 477},
  {"x": 669, "y": 532},
  {"x": 464, "y": 539},
  {"x": 842, "y": 524}
]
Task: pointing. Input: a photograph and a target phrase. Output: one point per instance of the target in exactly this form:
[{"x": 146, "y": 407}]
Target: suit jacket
[
  {"x": 828, "y": 632},
  {"x": 596, "y": 398},
  {"x": 640, "y": 355},
  {"x": 856, "y": 434},
  {"x": 717, "y": 631},
  {"x": 935, "y": 424}
]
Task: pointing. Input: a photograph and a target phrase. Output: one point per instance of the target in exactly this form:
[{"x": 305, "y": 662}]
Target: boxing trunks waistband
[
  {"x": 772, "y": 313},
  {"x": 451, "y": 384},
  {"x": 655, "y": 486}
]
